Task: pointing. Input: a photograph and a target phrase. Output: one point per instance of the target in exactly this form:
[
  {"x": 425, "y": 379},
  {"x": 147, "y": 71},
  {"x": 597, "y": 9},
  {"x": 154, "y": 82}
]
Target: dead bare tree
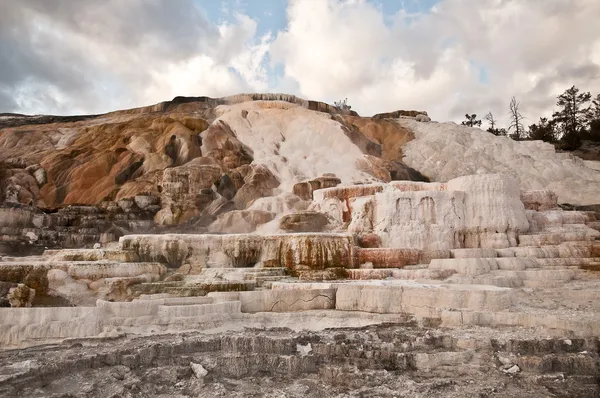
[
  {"x": 516, "y": 120},
  {"x": 493, "y": 123},
  {"x": 343, "y": 105},
  {"x": 491, "y": 120}
]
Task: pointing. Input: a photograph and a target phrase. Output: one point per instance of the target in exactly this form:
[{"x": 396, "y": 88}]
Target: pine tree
[
  {"x": 544, "y": 130},
  {"x": 573, "y": 116},
  {"x": 471, "y": 121},
  {"x": 594, "y": 113},
  {"x": 594, "y": 120}
]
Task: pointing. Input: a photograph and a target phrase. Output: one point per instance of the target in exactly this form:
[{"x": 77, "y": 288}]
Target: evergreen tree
[
  {"x": 594, "y": 120},
  {"x": 471, "y": 121},
  {"x": 572, "y": 116},
  {"x": 594, "y": 113},
  {"x": 544, "y": 130}
]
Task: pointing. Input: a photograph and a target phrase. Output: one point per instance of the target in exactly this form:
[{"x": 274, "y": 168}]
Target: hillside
[
  {"x": 232, "y": 164},
  {"x": 266, "y": 242},
  {"x": 91, "y": 159}
]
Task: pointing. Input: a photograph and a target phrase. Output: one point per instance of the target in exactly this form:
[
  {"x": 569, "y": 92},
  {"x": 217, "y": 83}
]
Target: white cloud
[
  {"x": 534, "y": 50},
  {"x": 76, "y": 56},
  {"x": 233, "y": 65},
  {"x": 88, "y": 57}
]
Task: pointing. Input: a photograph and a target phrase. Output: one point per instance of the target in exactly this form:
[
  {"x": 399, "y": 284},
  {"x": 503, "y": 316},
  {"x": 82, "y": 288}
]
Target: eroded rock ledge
[{"x": 380, "y": 360}]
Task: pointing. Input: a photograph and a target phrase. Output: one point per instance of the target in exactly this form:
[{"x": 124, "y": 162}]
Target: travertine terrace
[{"x": 237, "y": 249}]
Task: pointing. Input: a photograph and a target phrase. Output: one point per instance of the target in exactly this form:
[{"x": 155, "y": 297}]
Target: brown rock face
[
  {"x": 104, "y": 157},
  {"x": 240, "y": 221},
  {"x": 386, "y": 133},
  {"x": 20, "y": 296},
  {"x": 370, "y": 241},
  {"x": 304, "y": 221},
  {"x": 305, "y": 189},
  {"x": 389, "y": 258},
  {"x": 386, "y": 138},
  {"x": 158, "y": 163},
  {"x": 220, "y": 143},
  {"x": 258, "y": 183},
  {"x": 186, "y": 191},
  {"x": 398, "y": 114}
]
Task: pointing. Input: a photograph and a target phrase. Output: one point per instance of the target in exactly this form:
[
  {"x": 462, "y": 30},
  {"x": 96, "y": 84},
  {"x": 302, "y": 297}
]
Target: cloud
[
  {"x": 433, "y": 60},
  {"x": 457, "y": 56},
  {"x": 84, "y": 56}
]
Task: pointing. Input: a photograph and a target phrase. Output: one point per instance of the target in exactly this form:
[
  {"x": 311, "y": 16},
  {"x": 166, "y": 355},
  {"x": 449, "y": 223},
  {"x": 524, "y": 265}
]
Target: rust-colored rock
[
  {"x": 370, "y": 241},
  {"x": 386, "y": 133},
  {"x": 304, "y": 221},
  {"x": 305, "y": 189},
  {"x": 167, "y": 156},
  {"x": 384, "y": 148},
  {"x": 186, "y": 191},
  {"x": 240, "y": 221},
  {"x": 258, "y": 183},
  {"x": 389, "y": 258},
  {"x": 399, "y": 113},
  {"x": 220, "y": 143},
  {"x": 329, "y": 274}
]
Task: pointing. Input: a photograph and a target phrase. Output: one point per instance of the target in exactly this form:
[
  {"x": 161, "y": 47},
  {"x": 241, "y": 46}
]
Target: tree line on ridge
[{"x": 577, "y": 119}]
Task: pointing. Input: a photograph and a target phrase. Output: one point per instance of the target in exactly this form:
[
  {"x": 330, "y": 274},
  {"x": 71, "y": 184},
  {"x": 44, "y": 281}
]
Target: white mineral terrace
[{"x": 475, "y": 251}]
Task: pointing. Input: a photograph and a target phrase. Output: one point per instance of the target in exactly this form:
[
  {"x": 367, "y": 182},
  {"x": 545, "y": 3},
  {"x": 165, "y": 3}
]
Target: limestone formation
[
  {"x": 443, "y": 151},
  {"x": 265, "y": 241}
]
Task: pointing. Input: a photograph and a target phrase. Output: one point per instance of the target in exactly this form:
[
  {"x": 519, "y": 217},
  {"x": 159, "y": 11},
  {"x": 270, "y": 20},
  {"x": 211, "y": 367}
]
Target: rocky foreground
[
  {"x": 269, "y": 246},
  {"x": 399, "y": 360}
]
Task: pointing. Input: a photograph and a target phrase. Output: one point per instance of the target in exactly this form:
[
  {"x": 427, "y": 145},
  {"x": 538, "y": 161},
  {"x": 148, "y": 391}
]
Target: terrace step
[
  {"x": 554, "y": 238},
  {"x": 567, "y": 262},
  {"x": 125, "y": 256},
  {"x": 266, "y": 281},
  {"x": 183, "y": 289},
  {"x": 394, "y": 273}
]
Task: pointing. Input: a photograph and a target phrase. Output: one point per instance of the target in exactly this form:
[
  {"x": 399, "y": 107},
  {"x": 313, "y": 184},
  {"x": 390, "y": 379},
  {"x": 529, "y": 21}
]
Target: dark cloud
[
  {"x": 567, "y": 75},
  {"x": 175, "y": 28},
  {"x": 72, "y": 46},
  {"x": 7, "y": 103},
  {"x": 479, "y": 102}
]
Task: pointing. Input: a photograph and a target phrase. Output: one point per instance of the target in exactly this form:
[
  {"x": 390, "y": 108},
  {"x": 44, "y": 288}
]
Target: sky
[{"x": 447, "y": 57}]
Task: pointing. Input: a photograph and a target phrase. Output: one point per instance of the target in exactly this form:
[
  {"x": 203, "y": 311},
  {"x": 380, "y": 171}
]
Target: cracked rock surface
[{"x": 390, "y": 360}]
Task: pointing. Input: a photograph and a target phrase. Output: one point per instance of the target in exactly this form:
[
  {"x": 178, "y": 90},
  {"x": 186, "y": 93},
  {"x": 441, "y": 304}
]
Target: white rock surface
[
  {"x": 198, "y": 370},
  {"x": 513, "y": 370},
  {"x": 477, "y": 211},
  {"x": 494, "y": 214},
  {"x": 293, "y": 142},
  {"x": 443, "y": 151}
]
